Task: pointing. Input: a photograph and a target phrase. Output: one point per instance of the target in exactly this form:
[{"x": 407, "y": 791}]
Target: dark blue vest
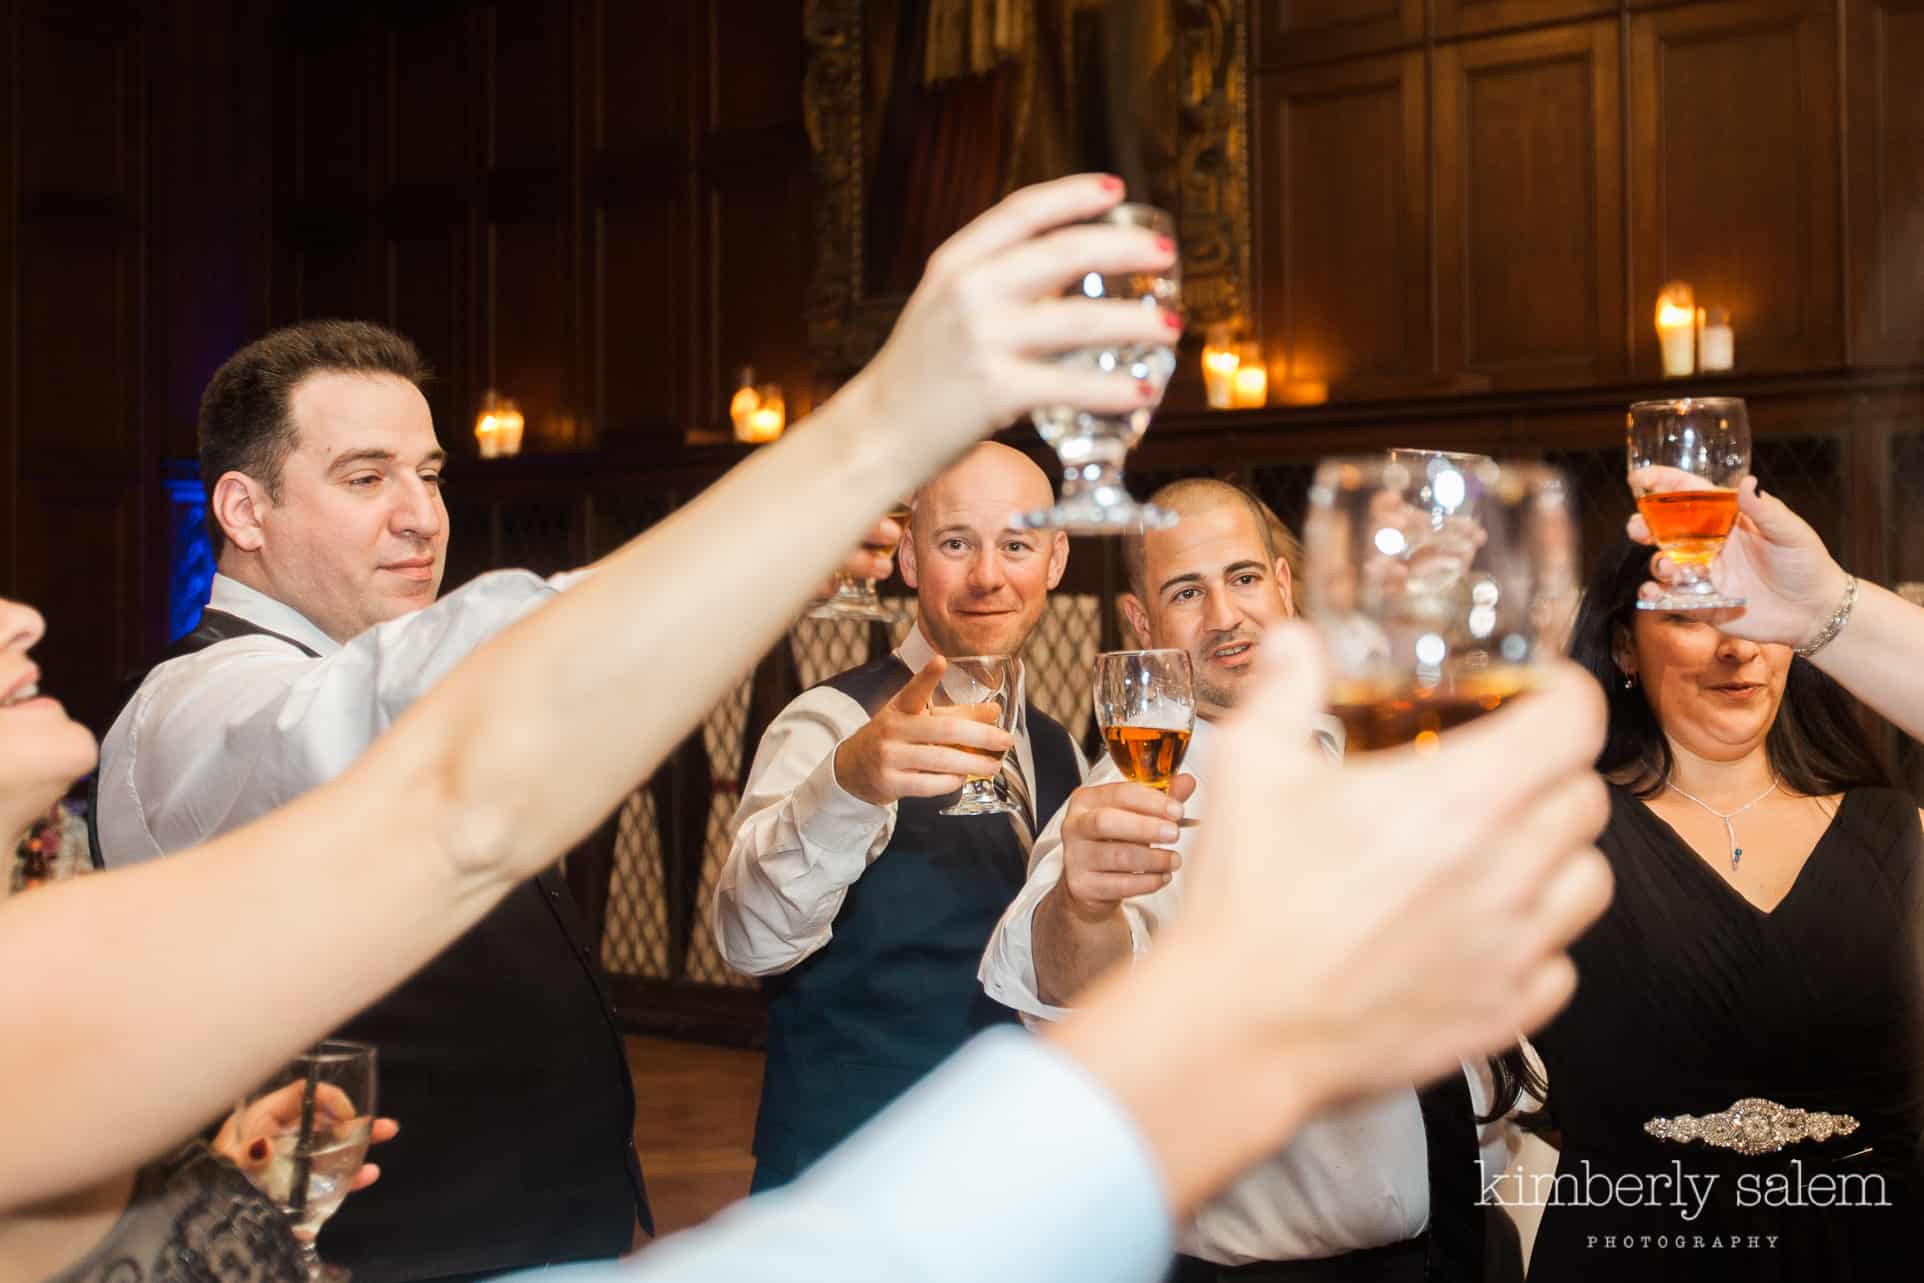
[{"x": 894, "y": 991}]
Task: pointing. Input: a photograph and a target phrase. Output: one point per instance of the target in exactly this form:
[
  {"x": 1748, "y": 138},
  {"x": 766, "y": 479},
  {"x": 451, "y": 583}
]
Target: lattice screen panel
[
  {"x": 635, "y": 940},
  {"x": 722, "y": 736}
]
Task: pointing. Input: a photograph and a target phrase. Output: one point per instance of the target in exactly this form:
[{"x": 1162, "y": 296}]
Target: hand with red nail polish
[
  {"x": 978, "y": 344},
  {"x": 246, "y": 1138}
]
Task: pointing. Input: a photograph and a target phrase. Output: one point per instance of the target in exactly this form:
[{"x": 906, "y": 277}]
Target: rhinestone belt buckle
[{"x": 1752, "y": 1126}]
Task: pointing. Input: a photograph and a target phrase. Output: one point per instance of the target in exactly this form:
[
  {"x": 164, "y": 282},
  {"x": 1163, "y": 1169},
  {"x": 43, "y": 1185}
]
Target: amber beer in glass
[
  {"x": 1439, "y": 584},
  {"x": 1146, "y": 706},
  {"x": 1686, "y": 458},
  {"x": 971, "y": 681}
]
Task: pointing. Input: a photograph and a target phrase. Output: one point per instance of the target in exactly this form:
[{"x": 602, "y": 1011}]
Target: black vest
[
  {"x": 503, "y": 1062},
  {"x": 893, "y": 992}
]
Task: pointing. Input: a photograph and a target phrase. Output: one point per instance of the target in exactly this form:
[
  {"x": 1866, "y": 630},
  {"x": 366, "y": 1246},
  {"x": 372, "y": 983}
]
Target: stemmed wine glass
[
  {"x": 1438, "y": 590},
  {"x": 1687, "y": 458},
  {"x": 1093, "y": 446},
  {"x": 1146, "y": 706},
  {"x": 316, "y": 1114},
  {"x": 856, "y": 598},
  {"x": 972, "y": 680}
]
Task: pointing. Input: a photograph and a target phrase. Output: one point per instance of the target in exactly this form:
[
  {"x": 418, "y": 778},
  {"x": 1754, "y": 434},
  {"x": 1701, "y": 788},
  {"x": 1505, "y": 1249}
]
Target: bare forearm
[
  {"x": 1879, "y": 656},
  {"x": 179, "y": 983},
  {"x": 613, "y": 674},
  {"x": 1072, "y": 951}
]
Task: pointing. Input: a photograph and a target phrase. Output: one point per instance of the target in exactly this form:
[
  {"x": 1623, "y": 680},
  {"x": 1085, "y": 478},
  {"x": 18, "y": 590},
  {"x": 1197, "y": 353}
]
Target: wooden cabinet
[
  {"x": 1474, "y": 17},
  {"x": 1530, "y": 216},
  {"x": 1884, "y": 167},
  {"x": 1733, "y": 175},
  {"x": 1342, "y": 224},
  {"x": 1301, "y": 31}
]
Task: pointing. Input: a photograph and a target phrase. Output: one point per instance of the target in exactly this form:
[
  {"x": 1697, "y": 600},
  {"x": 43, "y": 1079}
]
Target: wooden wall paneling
[
  {"x": 212, "y": 65},
  {"x": 1734, "y": 175},
  {"x": 529, "y": 209},
  {"x": 80, "y": 214},
  {"x": 335, "y": 265},
  {"x": 1884, "y": 135},
  {"x": 646, "y": 319},
  {"x": 81, "y": 451},
  {"x": 754, "y": 172},
  {"x": 9, "y": 303},
  {"x": 430, "y": 144},
  {"x": 1481, "y": 17},
  {"x": 1529, "y": 156},
  {"x": 80, "y": 554},
  {"x": 1341, "y": 154},
  {"x": 1304, "y": 31}
]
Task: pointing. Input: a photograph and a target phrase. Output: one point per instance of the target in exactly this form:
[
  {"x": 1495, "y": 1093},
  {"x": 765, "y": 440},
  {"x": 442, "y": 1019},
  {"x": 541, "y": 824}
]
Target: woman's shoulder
[{"x": 1886, "y": 819}]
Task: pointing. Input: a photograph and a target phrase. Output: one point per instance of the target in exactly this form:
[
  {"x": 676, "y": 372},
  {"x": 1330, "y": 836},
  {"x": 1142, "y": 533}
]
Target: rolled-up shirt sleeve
[
  {"x": 1007, "y": 973},
  {"x": 1042, "y": 1177},
  {"x": 801, "y": 839}
]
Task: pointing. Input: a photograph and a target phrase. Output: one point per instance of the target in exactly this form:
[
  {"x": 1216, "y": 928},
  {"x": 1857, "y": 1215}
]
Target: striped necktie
[{"x": 1016, "y": 789}]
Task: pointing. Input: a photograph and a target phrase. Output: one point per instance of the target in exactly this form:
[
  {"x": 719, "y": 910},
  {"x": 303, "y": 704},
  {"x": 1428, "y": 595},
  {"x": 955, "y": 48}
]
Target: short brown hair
[{"x": 244, "y": 422}]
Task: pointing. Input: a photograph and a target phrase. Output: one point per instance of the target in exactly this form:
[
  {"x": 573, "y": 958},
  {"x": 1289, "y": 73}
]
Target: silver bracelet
[{"x": 1835, "y": 624}]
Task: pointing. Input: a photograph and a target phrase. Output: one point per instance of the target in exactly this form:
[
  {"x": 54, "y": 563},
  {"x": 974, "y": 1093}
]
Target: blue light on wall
[{"x": 190, "y": 557}]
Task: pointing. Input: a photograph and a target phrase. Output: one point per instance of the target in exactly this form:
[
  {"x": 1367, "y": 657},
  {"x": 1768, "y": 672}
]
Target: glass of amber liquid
[
  {"x": 856, "y": 598},
  {"x": 1146, "y": 706},
  {"x": 1687, "y": 458},
  {"x": 1439, "y": 585},
  {"x": 974, "y": 681}
]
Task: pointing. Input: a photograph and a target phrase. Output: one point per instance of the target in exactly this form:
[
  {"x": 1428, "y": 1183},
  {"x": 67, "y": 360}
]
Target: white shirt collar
[{"x": 256, "y": 607}]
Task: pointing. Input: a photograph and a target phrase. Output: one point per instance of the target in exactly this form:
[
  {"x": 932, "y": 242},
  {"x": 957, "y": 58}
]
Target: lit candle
[
  {"x": 764, "y": 424},
  {"x": 497, "y": 429},
  {"x": 1252, "y": 386},
  {"x": 768, "y": 418},
  {"x": 1719, "y": 344},
  {"x": 1219, "y": 376},
  {"x": 1677, "y": 329}
]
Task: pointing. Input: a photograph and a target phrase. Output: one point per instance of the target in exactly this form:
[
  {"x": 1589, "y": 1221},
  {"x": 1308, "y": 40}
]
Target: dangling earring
[{"x": 1629, "y": 681}]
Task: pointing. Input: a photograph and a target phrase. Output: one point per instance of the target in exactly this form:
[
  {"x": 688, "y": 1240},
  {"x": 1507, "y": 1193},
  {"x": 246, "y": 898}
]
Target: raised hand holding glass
[{"x": 1092, "y": 446}]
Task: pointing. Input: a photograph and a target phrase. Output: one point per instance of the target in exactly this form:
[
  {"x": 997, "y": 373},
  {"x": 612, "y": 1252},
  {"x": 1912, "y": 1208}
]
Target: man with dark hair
[
  {"x": 1357, "y": 1195},
  {"x": 502, "y": 1059}
]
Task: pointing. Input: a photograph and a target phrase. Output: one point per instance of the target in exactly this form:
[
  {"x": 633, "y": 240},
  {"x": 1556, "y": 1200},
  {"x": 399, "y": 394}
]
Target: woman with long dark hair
[{"x": 1735, "y": 1088}]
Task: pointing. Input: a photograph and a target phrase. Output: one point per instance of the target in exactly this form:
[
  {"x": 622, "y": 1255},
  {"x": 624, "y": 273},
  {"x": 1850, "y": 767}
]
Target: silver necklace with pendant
[{"x": 1730, "y": 830}]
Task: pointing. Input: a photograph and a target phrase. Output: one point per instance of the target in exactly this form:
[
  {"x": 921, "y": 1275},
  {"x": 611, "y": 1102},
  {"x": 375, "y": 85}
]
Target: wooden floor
[{"x": 694, "y": 1119}]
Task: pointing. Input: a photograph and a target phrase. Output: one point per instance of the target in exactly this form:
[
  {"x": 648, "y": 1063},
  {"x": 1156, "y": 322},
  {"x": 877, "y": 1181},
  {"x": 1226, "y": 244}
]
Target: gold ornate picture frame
[{"x": 848, "y": 320}]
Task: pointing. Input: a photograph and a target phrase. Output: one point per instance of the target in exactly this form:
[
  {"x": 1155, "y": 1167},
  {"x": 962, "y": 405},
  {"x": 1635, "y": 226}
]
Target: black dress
[
  {"x": 1689, "y": 998},
  {"x": 193, "y": 1218}
]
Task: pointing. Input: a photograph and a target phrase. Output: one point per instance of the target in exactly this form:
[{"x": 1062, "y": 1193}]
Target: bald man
[{"x": 864, "y": 908}]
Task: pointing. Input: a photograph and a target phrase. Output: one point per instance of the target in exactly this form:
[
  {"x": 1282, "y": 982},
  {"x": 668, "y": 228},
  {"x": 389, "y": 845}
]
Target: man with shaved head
[
  {"x": 1350, "y": 1198},
  {"x": 864, "y": 908}
]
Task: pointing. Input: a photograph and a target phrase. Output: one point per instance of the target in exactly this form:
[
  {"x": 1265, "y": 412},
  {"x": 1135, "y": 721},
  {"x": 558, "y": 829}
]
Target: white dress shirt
[
  {"x": 1352, "y": 1178},
  {"x": 214, "y": 739},
  {"x": 801, "y": 839},
  {"x": 1043, "y": 1178}
]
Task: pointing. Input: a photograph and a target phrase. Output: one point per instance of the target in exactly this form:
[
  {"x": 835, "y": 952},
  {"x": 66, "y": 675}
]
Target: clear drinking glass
[
  {"x": 1146, "y": 706},
  {"x": 856, "y": 598},
  {"x": 971, "y": 680},
  {"x": 316, "y": 1114},
  {"x": 1438, "y": 590},
  {"x": 1687, "y": 458},
  {"x": 1092, "y": 447}
]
